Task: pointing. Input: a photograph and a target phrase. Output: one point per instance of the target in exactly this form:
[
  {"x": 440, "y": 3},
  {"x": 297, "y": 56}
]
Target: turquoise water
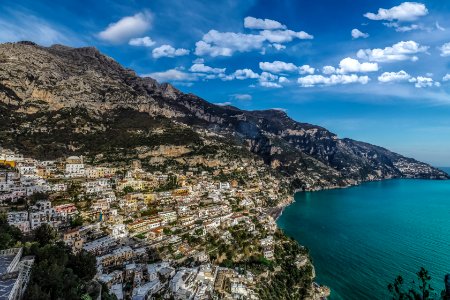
[{"x": 362, "y": 237}]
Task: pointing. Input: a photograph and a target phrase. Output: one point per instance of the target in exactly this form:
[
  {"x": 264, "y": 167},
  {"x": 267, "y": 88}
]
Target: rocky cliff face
[{"x": 76, "y": 100}]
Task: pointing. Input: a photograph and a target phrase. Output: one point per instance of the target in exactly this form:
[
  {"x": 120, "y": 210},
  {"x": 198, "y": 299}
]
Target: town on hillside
[{"x": 198, "y": 233}]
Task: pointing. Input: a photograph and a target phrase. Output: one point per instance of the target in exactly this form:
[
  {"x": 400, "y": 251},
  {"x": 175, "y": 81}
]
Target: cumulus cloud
[
  {"x": 215, "y": 43},
  {"x": 423, "y": 82},
  {"x": 142, "y": 41},
  {"x": 168, "y": 51},
  {"x": 445, "y": 49},
  {"x": 127, "y": 28},
  {"x": 314, "y": 80},
  {"x": 327, "y": 70},
  {"x": 172, "y": 75},
  {"x": 350, "y": 65},
  {"x": 398, "y": 52},
  {"x": 394, "y": 77},
  {"x": 201, "y": 68},
  {"x": 278, "y": 67},
  {"x": 254, "y": 23},
  {"x": 242, "y": 74},
  {"x": 283, "y": 79},
  {"x": 446, "y": 77},
  {"x": 268, "y": 80},
  {"x": 241, "y": 97},
  {"x": 356, "y": 34},
  {"x": 407, "y": 11},
  {"x": 306, "y": 69}
]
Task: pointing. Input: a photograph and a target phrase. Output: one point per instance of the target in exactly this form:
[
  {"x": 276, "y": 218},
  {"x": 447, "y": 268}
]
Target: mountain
[{"x": 57, "y": 101}]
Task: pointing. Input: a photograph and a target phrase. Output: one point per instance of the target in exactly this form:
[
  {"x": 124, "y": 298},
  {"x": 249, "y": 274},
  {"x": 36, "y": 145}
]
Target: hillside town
[{"x": 200, "y": 233}]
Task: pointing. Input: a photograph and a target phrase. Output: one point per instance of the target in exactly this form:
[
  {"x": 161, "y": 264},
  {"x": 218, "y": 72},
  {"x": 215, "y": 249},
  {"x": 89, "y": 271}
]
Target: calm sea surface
[{"x": 362, "y": 237}]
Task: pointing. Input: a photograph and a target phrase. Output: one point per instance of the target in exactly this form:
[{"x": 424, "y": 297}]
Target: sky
[{"x": 376, "y": 71}]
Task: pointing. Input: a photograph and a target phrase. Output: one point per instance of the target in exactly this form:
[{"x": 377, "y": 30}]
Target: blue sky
[{"x": 368, "y": 70}]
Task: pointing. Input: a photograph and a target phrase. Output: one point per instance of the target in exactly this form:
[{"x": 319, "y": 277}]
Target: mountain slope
[{"x": 59, "y": 100}]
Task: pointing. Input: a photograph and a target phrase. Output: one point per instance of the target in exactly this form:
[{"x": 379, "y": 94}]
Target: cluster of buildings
[
  {"x": 42, "y": 213},
  {"x": 149, "y": 231}
]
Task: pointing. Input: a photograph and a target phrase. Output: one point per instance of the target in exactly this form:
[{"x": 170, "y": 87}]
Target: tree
[
  {"x": 77, "y": 221},
  {"x": 59, "y": 274},
  {"x": 128, "y": 189},
  {"x": 423, "y": 292},
  {"x": 45, "y": 234},
  {"x": 9, "y": 235},
  {"x": 83, "y": 265}
]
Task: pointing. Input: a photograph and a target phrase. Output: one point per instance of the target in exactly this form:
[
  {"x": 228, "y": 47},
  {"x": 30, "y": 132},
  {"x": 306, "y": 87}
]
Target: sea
[{"x": 360, "y": 238}]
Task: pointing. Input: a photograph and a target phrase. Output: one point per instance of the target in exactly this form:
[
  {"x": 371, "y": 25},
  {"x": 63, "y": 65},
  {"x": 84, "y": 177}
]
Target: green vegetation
[
  {"x": 58, "y": 273},
  {"x": 10, "y": 236},
  {"x": 170, "y": 184},
  {"x": 128, "y": 189},
  {"x": 290, "y": 282}
]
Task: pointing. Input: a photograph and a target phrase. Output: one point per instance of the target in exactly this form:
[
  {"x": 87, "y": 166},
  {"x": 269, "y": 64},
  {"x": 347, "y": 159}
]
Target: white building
[{"x": 74, "y": 167}]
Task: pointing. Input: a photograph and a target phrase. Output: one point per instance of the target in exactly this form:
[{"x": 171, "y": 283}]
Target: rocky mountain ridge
[{"x": 89, "y": 98}]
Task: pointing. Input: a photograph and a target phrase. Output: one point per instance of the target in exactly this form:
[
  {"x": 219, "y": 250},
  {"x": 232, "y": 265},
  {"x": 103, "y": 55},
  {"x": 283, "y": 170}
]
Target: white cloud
[
  {"x": 350, "y": 65},
  {"x": 306, "y": 69},
  {"x": 245, "y": 74},
  {"x": 127, "y": 28},
  {"x": 445, "y": 49},
  {"x": 198, "y": 60},
  {"x": 446, "y": 77},
  {"x": 284, "y": 36},
  {"x": 223, "y": 103},
  {"x": 215, "y": 43},
  {"x": 407, "y": 11},
  {"x": 172, "y": 75},
  {"x": 314, "y": 80},
  {"x": 242, "y": 74},
  {"x": 266, "y": 76},
  {"x": 328, "y": 70},
  {"x": 356, "y": 34},
  {"x": 399, "y": 28},
  {"x": 242, "y": 97},
  {"x": 423, "y": 82},
  {"x": 278, "y": 46},
  {"x": 267, "y": 79},
  {"x": 203, "y": 48},
  {"x": 168, "y": 51},
  {"x": 143, "y": 41},
  {"x": 269, "y": 84},
  {"x": 439, "y": 27},
  {"x": 277, "y": 67},
  {"x": 394, "y": 77},
  {"x": 201, "y": 68},
  {"x": 254, "y": 23},
  {"x": 283, "y": 79},
  {"x": 398, "y": 52}
]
